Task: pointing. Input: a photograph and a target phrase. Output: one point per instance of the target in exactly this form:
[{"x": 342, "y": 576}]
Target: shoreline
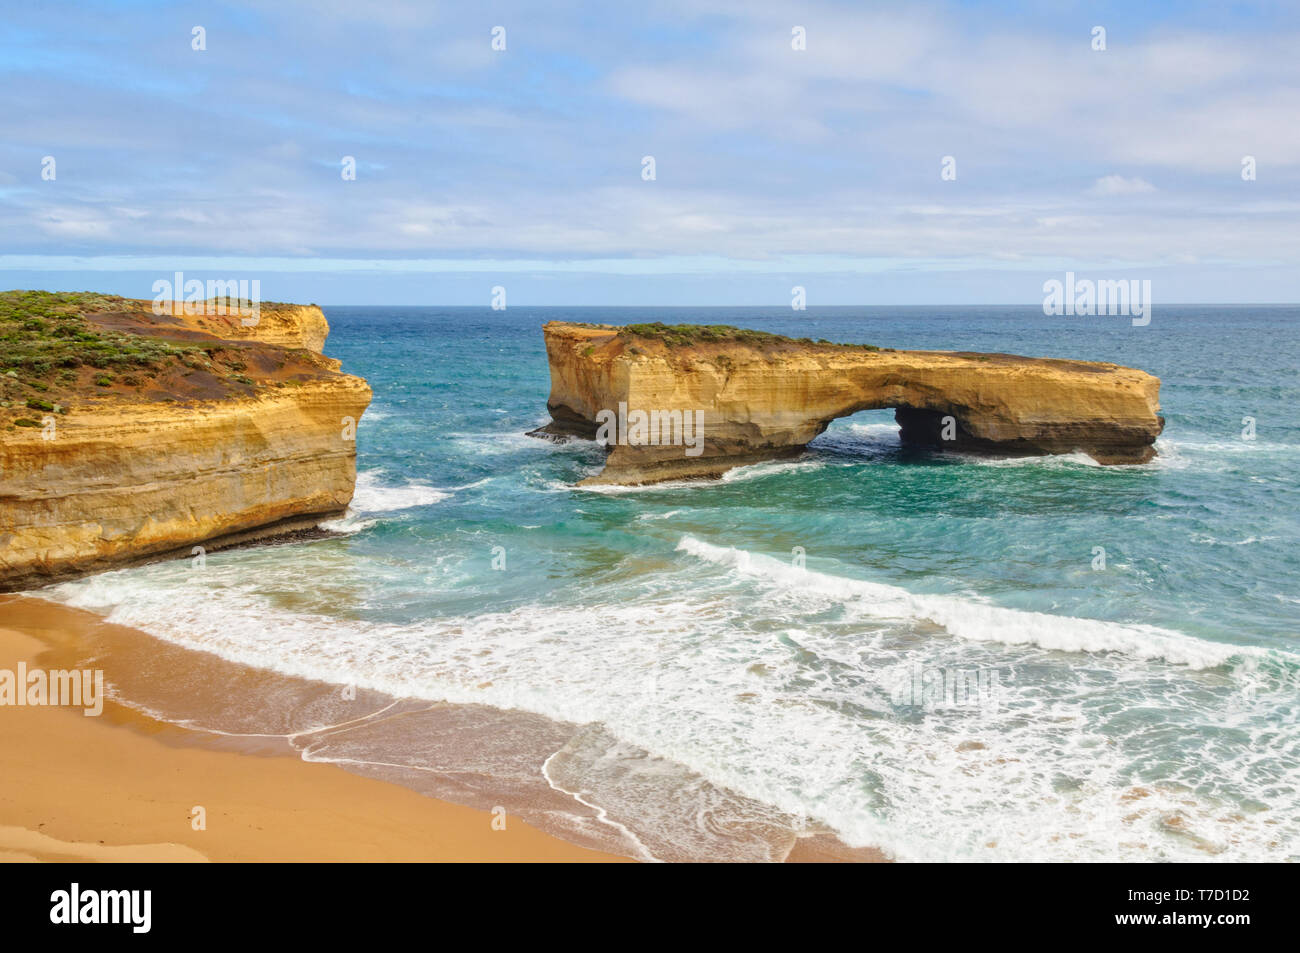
[{"x": 123, "y": 786}]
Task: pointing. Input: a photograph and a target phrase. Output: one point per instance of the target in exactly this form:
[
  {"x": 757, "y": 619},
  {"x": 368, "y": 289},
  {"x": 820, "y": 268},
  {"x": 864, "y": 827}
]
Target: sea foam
[{"x": 978, "y": 621}]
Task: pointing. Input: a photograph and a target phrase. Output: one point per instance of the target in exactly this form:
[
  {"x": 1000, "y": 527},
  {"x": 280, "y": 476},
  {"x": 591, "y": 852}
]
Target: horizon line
[{"x": 971, "y": 304}]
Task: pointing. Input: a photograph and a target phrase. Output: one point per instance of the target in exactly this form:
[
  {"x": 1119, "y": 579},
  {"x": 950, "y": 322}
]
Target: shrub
[
  {"x": 43, "y": 330},
  {"x": 685, "y": 335}
]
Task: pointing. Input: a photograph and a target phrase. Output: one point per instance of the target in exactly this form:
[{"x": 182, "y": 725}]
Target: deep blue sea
[{"x": 945, "y": 657}]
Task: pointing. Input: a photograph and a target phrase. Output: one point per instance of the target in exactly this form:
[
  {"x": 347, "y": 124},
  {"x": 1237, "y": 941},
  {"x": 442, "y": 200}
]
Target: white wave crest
[
  {"x": 373, "y": 497},
  {"x": 976, "y": 621}
]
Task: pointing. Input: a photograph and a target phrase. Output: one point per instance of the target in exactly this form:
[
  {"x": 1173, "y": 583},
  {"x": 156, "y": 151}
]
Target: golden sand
[{"x": 123, "y": 787}]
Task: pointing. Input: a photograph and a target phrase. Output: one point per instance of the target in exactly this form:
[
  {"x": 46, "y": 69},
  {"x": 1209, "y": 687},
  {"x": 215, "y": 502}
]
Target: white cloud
[
  {"x": 1118, "y": 185},
  {"x": 762, "y": 152}
]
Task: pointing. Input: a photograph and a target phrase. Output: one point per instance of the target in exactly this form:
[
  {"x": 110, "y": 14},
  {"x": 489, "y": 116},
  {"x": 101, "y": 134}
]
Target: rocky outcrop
[
  {"x": 279, "y": 325},
  {"x": 225, "y": 442},
  {"x": 764, "y": 397},
  {"x": 274, "y": 324}
]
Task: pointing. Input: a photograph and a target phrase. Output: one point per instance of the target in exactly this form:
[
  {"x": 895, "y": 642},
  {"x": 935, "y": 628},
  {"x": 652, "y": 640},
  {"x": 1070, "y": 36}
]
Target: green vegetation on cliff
[
  {"x": 685, "y": 335},
  {"x": 47, "y": 346},
  {"x": 61, "y": 349},
  {"x": 44, "y": 331}
]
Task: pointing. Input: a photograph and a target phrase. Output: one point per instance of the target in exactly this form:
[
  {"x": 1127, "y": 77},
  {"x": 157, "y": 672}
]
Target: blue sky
[{"x": 774, "y": 167}]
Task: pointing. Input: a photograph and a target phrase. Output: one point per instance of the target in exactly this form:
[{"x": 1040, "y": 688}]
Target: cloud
[
  {"x": 1118, "y": 185},
  {"x": 762, "y": 152}
]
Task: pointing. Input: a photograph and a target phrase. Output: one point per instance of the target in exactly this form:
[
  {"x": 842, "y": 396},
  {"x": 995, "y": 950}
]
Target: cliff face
[
  {"x": 225, "y": 438},
  {"x": 764, "y": 397}
]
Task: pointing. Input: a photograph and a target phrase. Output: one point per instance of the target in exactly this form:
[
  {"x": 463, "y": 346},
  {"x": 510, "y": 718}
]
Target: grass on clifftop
[
  {"x": 43, "y": 331},
  {"x": 50, "y": 354},
  {"x": 685, "y": 335}
]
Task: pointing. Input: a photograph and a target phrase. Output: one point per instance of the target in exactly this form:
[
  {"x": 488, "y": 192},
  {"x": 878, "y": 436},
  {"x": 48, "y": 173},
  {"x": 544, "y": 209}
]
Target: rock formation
[
  {"x": 225, "y": 433},
  {"x": 764, "y": 396}
]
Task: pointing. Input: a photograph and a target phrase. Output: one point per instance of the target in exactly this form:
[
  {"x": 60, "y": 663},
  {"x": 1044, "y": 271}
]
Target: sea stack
[
  {"x": 763, "y": 396},
  {"x": 127, "y": 435}
]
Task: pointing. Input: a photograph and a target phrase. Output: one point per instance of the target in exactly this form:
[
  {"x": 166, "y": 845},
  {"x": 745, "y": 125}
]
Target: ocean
[{"x": 940, "y": 656}]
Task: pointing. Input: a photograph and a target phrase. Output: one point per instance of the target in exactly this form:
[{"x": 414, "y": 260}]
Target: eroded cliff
[
  {"x": 126, "y": 436},
  {"x": 759, "y": 396}
]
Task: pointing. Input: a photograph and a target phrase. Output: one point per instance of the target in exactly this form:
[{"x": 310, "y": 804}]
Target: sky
[{"x": 524, "y": 168}]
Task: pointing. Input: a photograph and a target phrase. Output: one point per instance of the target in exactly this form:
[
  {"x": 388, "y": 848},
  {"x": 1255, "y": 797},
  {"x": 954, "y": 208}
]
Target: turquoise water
[{"x": 709, "y": 691}]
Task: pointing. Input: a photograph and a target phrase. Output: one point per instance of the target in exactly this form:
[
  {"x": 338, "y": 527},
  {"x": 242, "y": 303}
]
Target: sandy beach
[{"x": 123, "y": 787}]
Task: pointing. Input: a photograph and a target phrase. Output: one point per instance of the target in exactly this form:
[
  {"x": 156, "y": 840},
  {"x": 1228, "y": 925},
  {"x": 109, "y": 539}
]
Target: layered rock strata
[{"x": 232, "y": 439}]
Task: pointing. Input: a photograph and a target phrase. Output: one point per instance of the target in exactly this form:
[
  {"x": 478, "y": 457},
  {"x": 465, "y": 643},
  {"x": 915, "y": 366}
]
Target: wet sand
[{"x": 124, "y": 786}]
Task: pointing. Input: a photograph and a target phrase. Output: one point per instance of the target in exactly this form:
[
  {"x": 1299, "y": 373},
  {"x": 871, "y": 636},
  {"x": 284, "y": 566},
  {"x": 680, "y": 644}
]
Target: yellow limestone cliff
[
  {"x": 759, "y": 396},
  {"x": 238, "y": 433}
]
